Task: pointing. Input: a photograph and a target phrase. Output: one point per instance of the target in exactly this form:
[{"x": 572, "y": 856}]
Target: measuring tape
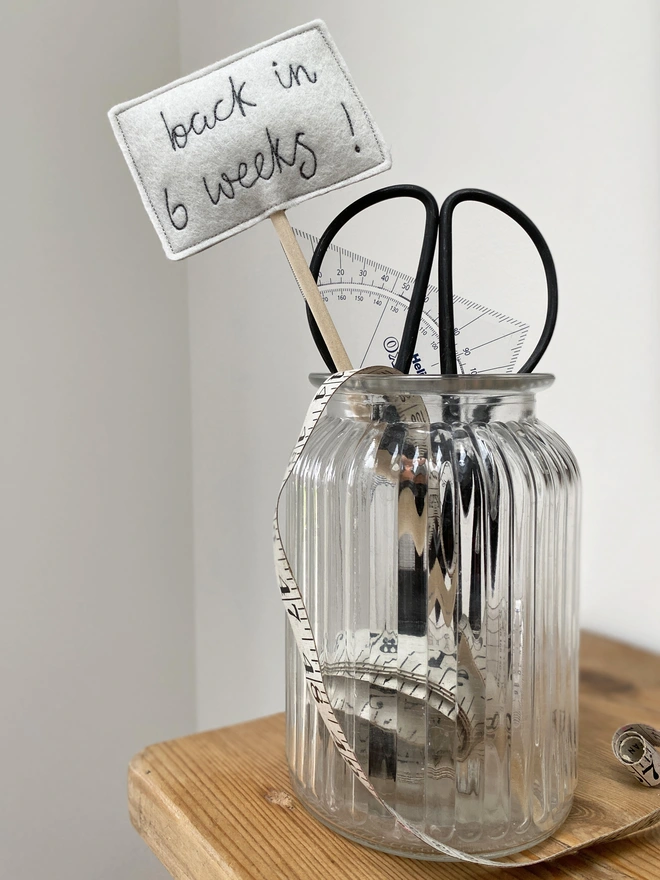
[
  {"x": 636, "y": 747},
  {"x": 445, "y": 700},
  {"x": 368, "y": 302}
]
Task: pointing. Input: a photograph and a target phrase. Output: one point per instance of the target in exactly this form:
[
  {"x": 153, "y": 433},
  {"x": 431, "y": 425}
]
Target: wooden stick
[{"x": 309, "y": 290}]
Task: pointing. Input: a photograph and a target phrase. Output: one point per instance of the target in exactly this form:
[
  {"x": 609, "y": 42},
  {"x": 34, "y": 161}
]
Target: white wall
[
  {"x": 96, "y": 612},
  {"x": 554, "y": 105}
]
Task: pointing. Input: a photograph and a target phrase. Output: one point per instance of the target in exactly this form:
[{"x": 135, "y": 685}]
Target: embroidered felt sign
[{"x": 219, "y": 150}]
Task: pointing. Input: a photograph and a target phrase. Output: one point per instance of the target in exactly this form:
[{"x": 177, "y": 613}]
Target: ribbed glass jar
[{"x": 432, "y": 524}]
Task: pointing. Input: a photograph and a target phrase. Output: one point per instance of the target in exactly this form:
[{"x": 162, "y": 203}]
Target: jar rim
[{"x": 481, "y": 383}]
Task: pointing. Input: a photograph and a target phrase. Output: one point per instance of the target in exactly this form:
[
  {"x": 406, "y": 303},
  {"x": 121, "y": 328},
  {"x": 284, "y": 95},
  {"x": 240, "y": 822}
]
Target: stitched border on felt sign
[{"x": 205, "y": 242}]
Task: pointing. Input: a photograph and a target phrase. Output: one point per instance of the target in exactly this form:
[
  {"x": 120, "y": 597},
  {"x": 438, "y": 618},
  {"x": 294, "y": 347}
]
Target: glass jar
[{"x": 432, "y": 524}]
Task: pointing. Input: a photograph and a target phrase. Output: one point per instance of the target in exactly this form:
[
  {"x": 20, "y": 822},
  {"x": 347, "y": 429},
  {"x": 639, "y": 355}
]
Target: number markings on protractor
[{"x": 368, "y": 302}]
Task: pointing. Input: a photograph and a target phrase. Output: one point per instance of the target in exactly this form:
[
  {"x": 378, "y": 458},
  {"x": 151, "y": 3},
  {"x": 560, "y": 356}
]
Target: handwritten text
[{"x": 198, "y": 123}]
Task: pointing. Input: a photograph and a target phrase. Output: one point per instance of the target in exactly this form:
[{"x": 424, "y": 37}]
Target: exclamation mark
[{"x": 350, "y": 125}]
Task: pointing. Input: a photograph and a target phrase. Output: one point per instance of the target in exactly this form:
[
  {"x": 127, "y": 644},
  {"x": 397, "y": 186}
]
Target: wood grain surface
[{"x": 220, "y": 805}]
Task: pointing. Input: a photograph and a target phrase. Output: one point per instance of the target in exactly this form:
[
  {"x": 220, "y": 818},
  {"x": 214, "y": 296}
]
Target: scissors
[{"x": 438, "y": 230}]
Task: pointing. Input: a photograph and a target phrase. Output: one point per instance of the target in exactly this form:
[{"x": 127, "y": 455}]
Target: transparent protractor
[
  {"x": 369, "y": 302},
  {"x": 370, "y": 322}
]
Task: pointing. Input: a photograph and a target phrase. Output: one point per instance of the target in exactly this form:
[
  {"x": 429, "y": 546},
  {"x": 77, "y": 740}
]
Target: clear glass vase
[{"x": 438, "y": 559}]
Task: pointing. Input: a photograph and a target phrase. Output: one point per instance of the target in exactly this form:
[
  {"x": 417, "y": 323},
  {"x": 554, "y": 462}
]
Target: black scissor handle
[
  {"x": 445, "y": 272},
  {"x": 418, "y": 296}
]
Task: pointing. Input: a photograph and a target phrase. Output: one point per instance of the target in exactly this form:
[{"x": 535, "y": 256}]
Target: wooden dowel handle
[{"x": 310, "y": 290}]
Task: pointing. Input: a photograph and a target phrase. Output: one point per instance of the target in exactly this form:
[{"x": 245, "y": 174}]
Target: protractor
[{"x": 368, "y": 302}]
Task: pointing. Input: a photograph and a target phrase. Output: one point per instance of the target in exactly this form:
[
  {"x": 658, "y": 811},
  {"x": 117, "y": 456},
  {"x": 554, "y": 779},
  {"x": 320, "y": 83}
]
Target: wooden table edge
[{"x": 173, "y": 826}]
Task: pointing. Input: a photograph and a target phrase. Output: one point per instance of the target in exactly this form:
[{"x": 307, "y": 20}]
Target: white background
[{"x": 138, "y": 468}]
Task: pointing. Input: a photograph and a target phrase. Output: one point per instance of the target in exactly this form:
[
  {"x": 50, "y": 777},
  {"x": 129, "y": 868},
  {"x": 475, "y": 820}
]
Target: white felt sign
[{"x": 223, "y": 148}]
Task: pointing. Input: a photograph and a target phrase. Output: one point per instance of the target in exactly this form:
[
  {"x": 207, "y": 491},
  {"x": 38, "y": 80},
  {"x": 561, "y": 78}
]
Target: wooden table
[{"x": 219, "y": 804}]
